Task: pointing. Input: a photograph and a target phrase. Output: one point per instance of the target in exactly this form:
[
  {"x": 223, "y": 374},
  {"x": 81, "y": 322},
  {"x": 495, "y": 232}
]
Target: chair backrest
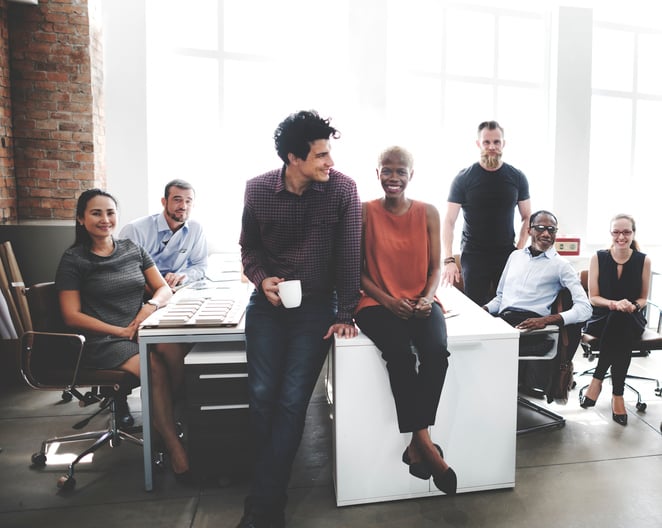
[
  {"x": 45, "y": 308},
  {"x": 583, "y": 278},
  {"x": 49, "y": 355}
]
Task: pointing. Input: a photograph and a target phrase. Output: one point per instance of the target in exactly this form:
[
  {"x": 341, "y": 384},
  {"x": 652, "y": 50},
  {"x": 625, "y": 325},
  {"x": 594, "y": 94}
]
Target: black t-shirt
[{"x": 488, "y": 200}]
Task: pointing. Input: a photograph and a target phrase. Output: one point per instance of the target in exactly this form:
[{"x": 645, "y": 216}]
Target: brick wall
[
  {"x": 7, "y": 182},
  {"x": 57, "y": 127}
]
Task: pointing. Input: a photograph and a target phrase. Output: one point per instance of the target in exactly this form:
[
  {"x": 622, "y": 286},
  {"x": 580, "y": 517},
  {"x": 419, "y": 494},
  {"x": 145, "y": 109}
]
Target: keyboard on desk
[{"x": 199, "y": 313}]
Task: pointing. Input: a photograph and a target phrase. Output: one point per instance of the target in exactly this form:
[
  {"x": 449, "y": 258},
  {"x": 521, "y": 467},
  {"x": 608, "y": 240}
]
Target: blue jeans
[{"x": 285, "y": 351}]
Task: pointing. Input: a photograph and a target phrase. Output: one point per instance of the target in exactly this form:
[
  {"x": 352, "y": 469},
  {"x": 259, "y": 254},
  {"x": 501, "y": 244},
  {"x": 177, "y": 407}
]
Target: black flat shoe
[
  {"x": 620, "y": 419},
  {"x": 185, "y": 479},
  {"x": 419, "y": 469},
  {"x": 447, "y": 482},
  {"x": 586, "y": 402},
  {"x": 122, "y": 413},
  {"x": 250, "y": 520}
]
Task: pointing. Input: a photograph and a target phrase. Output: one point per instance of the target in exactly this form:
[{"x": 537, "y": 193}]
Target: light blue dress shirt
[
  {"x": 184, "y": 251},
  {"x": 533, "y": 283}
]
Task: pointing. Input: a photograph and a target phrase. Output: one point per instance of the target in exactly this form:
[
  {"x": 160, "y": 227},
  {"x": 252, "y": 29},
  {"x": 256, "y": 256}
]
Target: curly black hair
[{"x": 297, "y": 131}]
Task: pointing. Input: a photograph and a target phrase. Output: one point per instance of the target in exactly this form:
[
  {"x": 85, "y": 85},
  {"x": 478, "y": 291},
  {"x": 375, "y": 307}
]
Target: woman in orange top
[{"x": 400, "y": 273}]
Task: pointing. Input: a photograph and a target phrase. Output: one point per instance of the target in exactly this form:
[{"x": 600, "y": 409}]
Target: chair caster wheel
[
  {"x": 39, "y": 459},
  {"x": 66, "y": 396},
  {"x": 67, "y": 483},
  {"x": 641, "y": 406}
]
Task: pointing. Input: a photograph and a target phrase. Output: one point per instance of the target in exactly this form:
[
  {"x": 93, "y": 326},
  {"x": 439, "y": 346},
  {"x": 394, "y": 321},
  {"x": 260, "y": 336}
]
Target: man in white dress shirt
[{"x": 176, "y": 243}]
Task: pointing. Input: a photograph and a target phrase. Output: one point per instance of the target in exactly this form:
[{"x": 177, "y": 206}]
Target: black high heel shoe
[
  {"x": 419, "y": 469},
  {"x": 122, "y": 413},
  {"x": 186, "y": 479},
  {"x": 446, "y": 482},
  {"x": 585, "y": 402},
  {"x": 620, "y": 419}
]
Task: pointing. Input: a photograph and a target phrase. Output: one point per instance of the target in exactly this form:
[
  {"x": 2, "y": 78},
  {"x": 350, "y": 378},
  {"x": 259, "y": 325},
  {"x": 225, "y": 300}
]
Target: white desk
[
  {"x": 476, "y": 421},
  {"x": 148, "y": 336}
]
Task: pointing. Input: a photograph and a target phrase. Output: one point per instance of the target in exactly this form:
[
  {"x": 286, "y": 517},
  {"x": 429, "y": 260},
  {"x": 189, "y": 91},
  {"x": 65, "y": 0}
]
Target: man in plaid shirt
[{"x": 302, "y": 221}]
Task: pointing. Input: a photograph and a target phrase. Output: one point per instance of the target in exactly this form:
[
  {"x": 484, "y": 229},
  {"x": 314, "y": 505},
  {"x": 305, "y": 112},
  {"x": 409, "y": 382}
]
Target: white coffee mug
[{"x": 290, "y": 293}]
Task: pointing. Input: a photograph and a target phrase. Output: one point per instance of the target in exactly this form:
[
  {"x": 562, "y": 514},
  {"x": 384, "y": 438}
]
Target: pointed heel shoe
[
  {"x": 620, "y": 419},
  {"x": 446, "y": 482},
  {"x": 586, "y": 402},
  {"x": 419, "y": 469}
]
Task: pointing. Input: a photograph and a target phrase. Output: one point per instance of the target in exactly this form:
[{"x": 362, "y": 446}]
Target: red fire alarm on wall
[{"x": 567, "y": 245}]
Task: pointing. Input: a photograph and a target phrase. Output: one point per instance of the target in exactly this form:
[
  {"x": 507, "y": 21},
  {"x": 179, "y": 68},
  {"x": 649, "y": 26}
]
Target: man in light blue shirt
[
  {"x": 177, "y": 244},
  {"x": 533, "y": 278}
]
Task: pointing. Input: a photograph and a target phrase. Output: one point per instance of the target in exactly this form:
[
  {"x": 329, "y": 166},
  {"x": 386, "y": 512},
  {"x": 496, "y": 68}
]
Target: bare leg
[
  {"x": 618, "y": 405},
  {"x": 425, "y": 450},
  {"x": 172, "y": 355},
  {"x": 162, "y": 413},
  {"x": 443, "y": 475},
  {"x": 594, "y": 389}
]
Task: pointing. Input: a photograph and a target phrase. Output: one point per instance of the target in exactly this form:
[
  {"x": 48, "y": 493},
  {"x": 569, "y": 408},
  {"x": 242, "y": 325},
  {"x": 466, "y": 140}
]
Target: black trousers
[
  {"x": 481, "y": 273},
  {"x": 617, "y": 332},
  {"x": 416, "y": 389}
]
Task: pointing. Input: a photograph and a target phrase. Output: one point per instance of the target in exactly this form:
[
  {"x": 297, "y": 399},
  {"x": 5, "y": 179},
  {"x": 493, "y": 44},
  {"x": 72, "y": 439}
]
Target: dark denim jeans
[{"x": 285, "y": 350}]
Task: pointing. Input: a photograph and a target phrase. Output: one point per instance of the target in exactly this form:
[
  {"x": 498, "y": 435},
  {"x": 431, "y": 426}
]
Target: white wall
[{"x": 125, "y": 98}]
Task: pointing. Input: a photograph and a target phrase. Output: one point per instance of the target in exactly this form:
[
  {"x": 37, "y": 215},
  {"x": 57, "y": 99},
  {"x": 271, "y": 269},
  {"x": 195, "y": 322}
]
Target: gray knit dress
[{"x": 111, "y": 290}]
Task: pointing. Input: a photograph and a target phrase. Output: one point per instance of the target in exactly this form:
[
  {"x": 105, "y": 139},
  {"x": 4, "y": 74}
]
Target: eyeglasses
[
  {"x": 625, "y": 233},
  {"x": 540, "y": 228}
]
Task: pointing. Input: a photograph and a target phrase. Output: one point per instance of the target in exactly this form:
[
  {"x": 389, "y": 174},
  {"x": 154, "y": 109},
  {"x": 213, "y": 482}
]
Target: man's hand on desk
[
  {"x": 536, "y": 323},
  {"x": 342, "y": 330}
]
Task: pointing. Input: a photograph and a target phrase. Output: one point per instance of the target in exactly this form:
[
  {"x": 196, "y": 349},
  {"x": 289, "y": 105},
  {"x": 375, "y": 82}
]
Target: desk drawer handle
[
  {"x": 223, "y": 376},
  {"x": 223, "y": 407}
]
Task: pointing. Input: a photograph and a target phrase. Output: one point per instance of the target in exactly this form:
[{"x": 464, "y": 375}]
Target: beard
[
  {"x": 181, "y": 217},
  {"x": 490, "y": 161}
]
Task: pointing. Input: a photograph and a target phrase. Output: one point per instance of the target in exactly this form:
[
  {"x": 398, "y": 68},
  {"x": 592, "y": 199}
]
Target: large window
[
  {"x": 625, "y": 119},
  {"x": 420, "y": 73}
]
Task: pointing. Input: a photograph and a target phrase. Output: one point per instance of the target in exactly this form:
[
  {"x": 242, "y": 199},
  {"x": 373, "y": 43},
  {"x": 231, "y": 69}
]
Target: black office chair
[
  {"x": 557, "y": 379},
  {"x": 51, "y": 360},
  {"x": 650, "y": 340}
]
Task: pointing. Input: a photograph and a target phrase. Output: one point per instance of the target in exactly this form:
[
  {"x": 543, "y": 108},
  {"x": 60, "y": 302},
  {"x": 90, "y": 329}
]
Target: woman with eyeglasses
[{"x": 618, "y": 284}]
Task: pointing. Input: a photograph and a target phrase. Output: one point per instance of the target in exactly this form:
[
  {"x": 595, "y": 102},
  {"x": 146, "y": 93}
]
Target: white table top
[{"x": 466, "y": 322}]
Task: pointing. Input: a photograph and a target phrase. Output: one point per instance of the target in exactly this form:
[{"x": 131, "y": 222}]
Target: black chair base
[
  {"x": 112, "y": 435},
  {"x": 556, "y": 419},
  {"x": 640, "y": 405}
]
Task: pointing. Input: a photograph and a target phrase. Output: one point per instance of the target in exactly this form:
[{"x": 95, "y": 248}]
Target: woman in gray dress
[{"x": 101, "y": 282}]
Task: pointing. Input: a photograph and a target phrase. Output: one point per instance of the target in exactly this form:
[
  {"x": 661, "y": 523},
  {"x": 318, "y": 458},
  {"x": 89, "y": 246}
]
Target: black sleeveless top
[{"x": 628, "y": 286}]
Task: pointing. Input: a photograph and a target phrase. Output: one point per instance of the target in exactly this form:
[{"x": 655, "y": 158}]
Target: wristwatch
[
  {"x": 636, "y": 306},
  {"x": 154, "y": 303}
]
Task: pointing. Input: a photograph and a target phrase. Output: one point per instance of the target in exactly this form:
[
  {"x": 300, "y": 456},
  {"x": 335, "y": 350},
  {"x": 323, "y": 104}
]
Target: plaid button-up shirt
[{"x": 315, "y": 237}]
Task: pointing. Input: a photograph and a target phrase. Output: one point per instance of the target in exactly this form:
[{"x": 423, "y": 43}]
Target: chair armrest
[
  {"x": 50, "y": 359},
  {"x": 650, "y": 304},
  {"x": 549, "y": 329}
]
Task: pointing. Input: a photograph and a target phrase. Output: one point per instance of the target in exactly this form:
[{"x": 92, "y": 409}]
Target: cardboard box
[{"x": 567, "y": 245}]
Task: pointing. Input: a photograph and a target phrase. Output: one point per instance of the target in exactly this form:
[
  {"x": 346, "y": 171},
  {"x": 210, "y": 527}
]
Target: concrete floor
[{"x": 591, "y": 473}]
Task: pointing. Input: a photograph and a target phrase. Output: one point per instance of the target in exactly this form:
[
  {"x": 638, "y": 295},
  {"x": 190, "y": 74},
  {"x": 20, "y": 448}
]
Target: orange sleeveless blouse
[{"x": 397, "y": 251}]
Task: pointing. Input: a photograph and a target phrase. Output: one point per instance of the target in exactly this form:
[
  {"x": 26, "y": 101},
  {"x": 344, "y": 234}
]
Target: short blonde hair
[{"x": 396, "y": 153}]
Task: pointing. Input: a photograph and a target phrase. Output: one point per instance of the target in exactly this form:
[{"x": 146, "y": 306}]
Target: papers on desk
[
  {"x": 202, "y": 304},
  {"x": 223, "y": 267}
]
